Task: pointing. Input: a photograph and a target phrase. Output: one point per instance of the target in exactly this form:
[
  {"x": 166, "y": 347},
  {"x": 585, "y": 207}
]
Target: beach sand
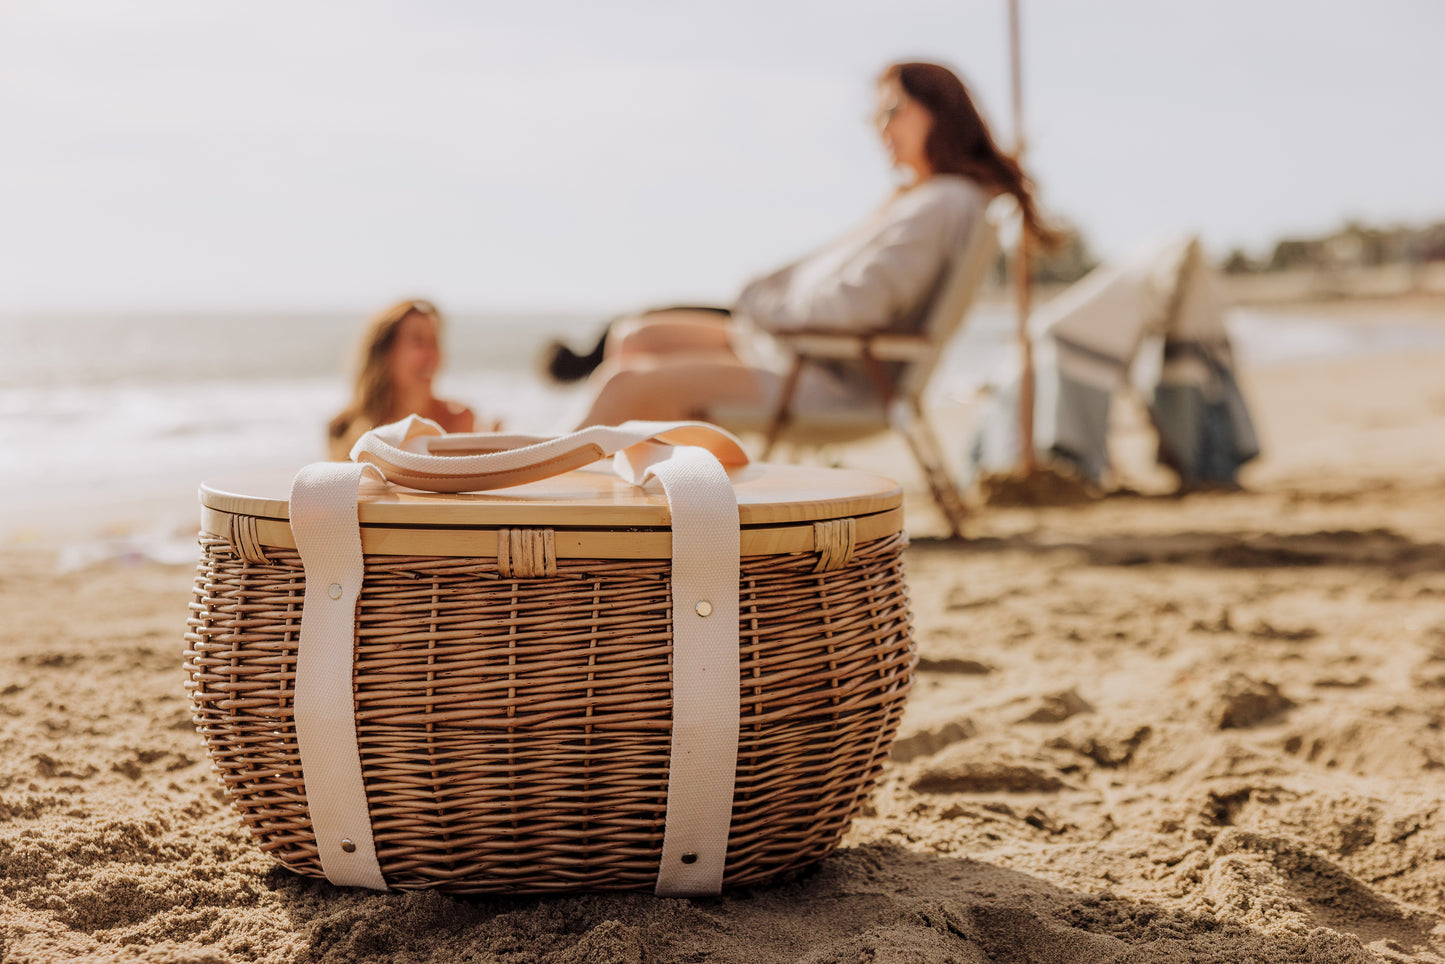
[{"x": 1145, "y": 729}]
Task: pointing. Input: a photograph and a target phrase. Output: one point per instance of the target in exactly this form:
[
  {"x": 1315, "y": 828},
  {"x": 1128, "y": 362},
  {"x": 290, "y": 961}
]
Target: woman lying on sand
[{"x": 677, "y": 362}]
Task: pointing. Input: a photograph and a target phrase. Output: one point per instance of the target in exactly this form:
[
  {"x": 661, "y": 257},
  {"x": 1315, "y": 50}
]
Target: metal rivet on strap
[
  {"x": 348, "y": 845},
  {"x": 334, "y": 590},
  {"x": 704, "y": 608},
  {"x": 689, "y": 858}
]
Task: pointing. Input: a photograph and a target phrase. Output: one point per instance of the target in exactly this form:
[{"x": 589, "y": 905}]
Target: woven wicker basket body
[{"x": 513, "y": 708}]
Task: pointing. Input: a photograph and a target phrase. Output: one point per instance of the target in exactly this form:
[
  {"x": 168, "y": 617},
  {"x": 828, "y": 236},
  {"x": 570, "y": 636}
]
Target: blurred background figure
[
  {"x": 398, "y": 358},
  {"x": 881, "y": 275}
]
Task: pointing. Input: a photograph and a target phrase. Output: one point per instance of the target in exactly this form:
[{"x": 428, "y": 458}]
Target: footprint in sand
[
  {"x": 1112, "y": 747},
  {"x": 960, "y": 599},
  {"x": 930, "y": 741},
  {"x": 954, "y": 664},
  {"x": 1298, "y": 634},
  {"x": 1244, "y": 702},
  {"x": 1055, "y": 707},
  {"x": 965, "y": 769},
  {"x": 1282, "y": 882}
]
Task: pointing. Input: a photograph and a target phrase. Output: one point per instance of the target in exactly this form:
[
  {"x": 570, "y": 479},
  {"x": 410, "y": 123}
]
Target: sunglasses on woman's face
[{"x": 884, "y": 115}]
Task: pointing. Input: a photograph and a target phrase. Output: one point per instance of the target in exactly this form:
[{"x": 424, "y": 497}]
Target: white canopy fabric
[{"x": 1086, "y": 343}]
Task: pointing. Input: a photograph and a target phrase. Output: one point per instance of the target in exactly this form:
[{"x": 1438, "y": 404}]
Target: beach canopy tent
[{"x": 1157, "y": 318}]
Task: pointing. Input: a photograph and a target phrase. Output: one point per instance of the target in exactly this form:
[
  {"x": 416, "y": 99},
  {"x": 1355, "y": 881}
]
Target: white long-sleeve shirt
[{"x": 881, "y": 275}]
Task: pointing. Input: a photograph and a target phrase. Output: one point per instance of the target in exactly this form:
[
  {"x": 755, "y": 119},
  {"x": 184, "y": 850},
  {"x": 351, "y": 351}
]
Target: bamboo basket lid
[
  {"x": 778, "y": 507},
  {"x": 767, "y": 494}
]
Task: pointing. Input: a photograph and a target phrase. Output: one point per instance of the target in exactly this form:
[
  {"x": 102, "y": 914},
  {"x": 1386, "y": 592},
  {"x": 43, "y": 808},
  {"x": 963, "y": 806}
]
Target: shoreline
[{"x": 75, "y": 509}]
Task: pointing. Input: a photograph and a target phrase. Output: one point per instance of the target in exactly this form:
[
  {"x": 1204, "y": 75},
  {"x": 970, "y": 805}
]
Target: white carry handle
[
  {"x": 417, "y": 453},
  {"x": 687, "y": 458}
]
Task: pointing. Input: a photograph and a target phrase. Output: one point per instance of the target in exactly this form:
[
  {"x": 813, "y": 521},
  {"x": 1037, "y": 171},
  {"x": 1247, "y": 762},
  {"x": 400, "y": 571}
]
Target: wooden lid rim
[{"x": 767, "y": 495}]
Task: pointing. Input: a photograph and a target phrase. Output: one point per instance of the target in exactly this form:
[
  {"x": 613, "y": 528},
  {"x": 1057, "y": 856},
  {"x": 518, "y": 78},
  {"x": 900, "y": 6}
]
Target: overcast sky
[{"x": 179, "y": 154}]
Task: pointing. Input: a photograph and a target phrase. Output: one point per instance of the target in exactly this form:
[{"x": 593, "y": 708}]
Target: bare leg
[
  {"x": 672, "y": 332},
  {"x": 675, "y": 390}
]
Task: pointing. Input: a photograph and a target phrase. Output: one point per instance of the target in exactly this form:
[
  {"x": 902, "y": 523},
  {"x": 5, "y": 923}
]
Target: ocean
[{"x": 107, "y": 409}]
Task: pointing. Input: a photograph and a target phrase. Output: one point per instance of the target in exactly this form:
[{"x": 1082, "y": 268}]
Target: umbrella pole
[
  {"x": 1022, "y": 254},
  {"x": 1026, "y": 360}
]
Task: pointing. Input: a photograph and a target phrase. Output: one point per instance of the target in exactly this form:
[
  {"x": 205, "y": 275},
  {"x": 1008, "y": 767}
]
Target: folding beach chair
[
  {"x": 1165, "y": 299},
  {"x": 900, "y": 364}
]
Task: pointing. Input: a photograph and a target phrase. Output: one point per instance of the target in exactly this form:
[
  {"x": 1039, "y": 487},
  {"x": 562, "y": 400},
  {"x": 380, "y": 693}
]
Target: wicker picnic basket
[{"x": 512, "y": 682}]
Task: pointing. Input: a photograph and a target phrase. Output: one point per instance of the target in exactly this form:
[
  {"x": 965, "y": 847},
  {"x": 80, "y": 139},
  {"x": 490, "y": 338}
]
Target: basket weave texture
[{"x": 514, "y": 733}]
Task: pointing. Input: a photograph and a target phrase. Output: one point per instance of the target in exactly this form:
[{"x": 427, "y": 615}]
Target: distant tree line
[
  {"x": 1068, "y": 262},
  {"x": 1353, "y": 245}
]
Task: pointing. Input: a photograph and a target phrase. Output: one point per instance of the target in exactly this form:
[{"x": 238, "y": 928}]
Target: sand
[{"x": 1145, "y": 729}]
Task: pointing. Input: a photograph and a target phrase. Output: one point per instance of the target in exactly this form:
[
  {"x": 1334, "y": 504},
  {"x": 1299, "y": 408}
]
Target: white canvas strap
[
  {"x": 328, "y": 539},
  {"x": 702, "y": 763},
  {"x": 688, "y": 459}
]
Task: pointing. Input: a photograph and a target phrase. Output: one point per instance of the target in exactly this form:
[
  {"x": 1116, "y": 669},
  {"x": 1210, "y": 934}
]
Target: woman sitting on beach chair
[
  {"x": 679, "y": 362},
  {"x": 399, "y": 355}
]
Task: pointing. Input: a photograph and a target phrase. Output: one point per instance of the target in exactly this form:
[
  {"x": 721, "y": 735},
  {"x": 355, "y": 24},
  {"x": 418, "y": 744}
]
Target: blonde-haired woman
[{"x": 400, "y": 353}]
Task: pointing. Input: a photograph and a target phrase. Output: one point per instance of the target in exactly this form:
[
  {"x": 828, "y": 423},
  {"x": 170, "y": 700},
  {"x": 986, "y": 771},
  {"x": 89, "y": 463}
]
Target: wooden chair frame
[
  {"x": 904, "y": 415},
  {"x": 900, "y": 365}
]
